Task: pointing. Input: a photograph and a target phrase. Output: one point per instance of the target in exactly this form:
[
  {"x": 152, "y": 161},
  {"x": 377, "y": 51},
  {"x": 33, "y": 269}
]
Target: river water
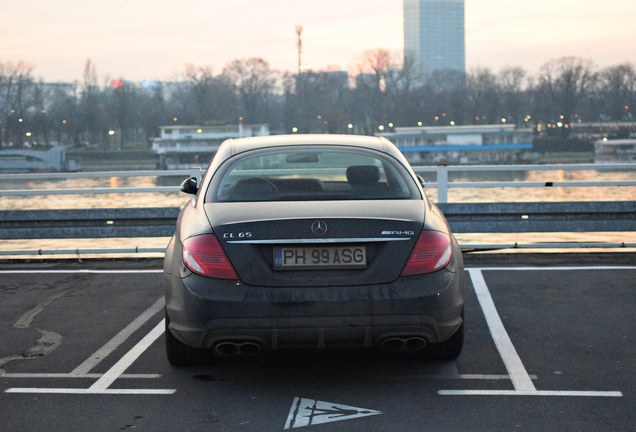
[{"x": 455, "y": 195}]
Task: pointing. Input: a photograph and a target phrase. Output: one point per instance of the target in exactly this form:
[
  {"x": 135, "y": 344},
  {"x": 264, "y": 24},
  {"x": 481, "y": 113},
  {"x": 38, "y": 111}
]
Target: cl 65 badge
[{"x": 240, "y": 235}]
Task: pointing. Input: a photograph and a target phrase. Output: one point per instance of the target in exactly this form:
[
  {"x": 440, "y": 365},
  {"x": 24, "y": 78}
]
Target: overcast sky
[{"x": 155, "y": 39}]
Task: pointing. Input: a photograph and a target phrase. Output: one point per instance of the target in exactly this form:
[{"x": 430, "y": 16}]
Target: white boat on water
[{"x": 30, "y": 160}]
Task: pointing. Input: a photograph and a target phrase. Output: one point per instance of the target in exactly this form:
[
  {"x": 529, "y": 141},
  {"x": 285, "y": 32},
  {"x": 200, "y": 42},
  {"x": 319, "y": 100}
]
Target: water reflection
[{"x": 456, "y": 195}]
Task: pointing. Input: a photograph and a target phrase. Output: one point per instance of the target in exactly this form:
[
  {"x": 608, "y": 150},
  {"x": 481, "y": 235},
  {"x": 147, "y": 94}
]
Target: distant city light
[
  {"x": 20, "y": 120},
  {"x": 350, "y": 126},
  {"x": 390, "y": 125},
  {"x": 560, "y": 124},
  {"x": 294, "y": 129},
  {"x": 174, "y": 119},
  {"x": 419, "y": 123},
  {"x": 452, "y": 122},
  {"x": 604, "y": 139},
  {"x": 381, "y": 127},
  {"x": 111, "y": 132},
  {"x": 199, "y": 131},
  {"x": 28, "y": 134},
  {"x": 503, "y": 120}
]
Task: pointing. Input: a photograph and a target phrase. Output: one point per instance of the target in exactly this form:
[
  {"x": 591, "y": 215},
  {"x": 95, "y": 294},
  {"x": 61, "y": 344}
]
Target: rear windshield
[{"x": 311, "y": 173}]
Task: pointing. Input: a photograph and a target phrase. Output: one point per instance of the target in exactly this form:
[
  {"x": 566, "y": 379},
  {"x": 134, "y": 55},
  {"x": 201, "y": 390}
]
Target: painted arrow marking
[{"x": 308, "y": 412}]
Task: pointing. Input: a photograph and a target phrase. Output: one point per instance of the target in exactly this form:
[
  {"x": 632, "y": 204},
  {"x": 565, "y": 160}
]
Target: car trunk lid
[{"x": 331, "y": 243}]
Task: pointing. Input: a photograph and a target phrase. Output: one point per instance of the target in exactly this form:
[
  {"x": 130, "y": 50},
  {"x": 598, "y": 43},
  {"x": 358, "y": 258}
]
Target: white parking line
[
  {"x": 520, "y": 378},
  {"x": 72, "y": 375},
  {"x": 74, "y": 271},
  {"x": 562, "y": 393},
  {"x": 129, "y": 358},
  {"x": 118, "y": 339},
  {"x": 521, "y": 381},
  {"x": 89, "y": 391},
  {"x": 560, "y": 268}
]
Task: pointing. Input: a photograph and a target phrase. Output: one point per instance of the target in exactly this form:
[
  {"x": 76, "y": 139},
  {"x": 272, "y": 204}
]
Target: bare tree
[
  {"x": 513, "y": 85},
  {"x": 255, "y": 82},
  {"x": 373, "y": 70},
  {"x": 617, "y": 85},
  {"x": 484, "y": 94},
  {"x": 92, "y": 115},
  {"x": 15, "y": 82},
  {"x": 566, "y": 82},
  {"x": 211, "y": 96}
]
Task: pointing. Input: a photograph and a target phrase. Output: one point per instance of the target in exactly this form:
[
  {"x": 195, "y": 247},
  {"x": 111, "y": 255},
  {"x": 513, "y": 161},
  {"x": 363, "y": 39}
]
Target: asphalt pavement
[{"x": 549, "y": 346}]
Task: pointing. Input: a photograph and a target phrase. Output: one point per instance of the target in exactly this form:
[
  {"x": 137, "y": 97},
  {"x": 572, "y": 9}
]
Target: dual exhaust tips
[
  {"x": 249, "y": 348},
  {"x": 404, "y": 344},
  {"x": 237, "y": 348}
]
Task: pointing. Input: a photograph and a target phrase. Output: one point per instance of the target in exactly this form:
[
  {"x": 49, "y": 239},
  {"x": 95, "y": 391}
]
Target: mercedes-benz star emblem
[{"x": 319, "y": 227}]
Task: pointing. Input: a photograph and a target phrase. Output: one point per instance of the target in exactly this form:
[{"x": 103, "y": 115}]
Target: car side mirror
[
  {"x": 422, "y": 181},
  {"x": 190, "y": 186}
]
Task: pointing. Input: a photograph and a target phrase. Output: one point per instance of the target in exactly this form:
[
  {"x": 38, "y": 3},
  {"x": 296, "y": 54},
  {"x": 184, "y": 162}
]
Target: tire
[
  {"x": 178, "y": 353},
  {"x": 450, "y": 349}
]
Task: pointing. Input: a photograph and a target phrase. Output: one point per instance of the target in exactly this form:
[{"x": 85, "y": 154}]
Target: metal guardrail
[
  {"x": 442, "y": 175},
  {"x": 443, "y": 184},
  {"x": 616, "y": 216}
]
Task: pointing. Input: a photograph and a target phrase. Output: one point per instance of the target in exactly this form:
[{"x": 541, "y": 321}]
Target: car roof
[{"x": 232, "y": 147}]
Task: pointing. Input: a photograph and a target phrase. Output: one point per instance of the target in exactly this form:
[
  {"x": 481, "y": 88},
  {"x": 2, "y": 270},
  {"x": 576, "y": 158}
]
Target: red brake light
[
  {"x": 432, "y": 252},
  {"x": 204, "y": 255}
]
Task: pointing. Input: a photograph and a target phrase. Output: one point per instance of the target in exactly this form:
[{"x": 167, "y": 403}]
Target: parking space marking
[
  {"x": 520, "y": 378},
  {"x": 559, "y": 268},
  {"x": 79, "y": 391},
  {"x": 87, "y": 271},
  {"x": 522, "y": 382},
  {"x": 101, "y": 386},
  {"x": 118, "y": 339},
  {"x": 475, "y": 377},
  {"x": 563, "y": 393},
  {"x": 116, "y": 372},
  {"x": 72, "y": 375},
  {"x": 129, "y": 358}
]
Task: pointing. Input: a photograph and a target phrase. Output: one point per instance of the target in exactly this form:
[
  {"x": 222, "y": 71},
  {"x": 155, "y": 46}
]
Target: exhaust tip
[
  {"x": 249, "y": 349},
  {"x": 405, "y": 344},
  {"x": 226, "y": 348},
  {"x": 415, "y": 344},
  {"x": 231, "y": 348},
  {"x": 393, "y": 344}
]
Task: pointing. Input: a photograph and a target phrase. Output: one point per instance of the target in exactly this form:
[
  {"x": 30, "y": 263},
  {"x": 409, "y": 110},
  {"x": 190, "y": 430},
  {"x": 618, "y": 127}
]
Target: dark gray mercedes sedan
[{"x": 311, "y": 241}]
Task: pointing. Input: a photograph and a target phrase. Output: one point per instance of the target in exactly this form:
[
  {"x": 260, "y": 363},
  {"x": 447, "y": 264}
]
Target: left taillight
[
  {"x": 432, "y": 252},
  {"x": 204, "y": 255}
]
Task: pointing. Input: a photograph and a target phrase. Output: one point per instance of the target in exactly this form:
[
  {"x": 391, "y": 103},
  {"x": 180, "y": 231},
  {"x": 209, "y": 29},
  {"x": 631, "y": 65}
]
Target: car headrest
[{"x": 363, "y": 175}]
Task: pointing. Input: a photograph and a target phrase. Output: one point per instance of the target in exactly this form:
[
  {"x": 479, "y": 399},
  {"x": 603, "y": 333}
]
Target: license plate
[{"x": 320, "y": 257}]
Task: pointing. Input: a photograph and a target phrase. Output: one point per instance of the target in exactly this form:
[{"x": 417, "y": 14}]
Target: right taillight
[
  {"x": 204, "y": 255},
  {"x": 432, "y": 252}
]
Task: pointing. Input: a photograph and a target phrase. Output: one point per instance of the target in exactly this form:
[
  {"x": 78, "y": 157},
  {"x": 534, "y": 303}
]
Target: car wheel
[{"x": 178, "y": 353}]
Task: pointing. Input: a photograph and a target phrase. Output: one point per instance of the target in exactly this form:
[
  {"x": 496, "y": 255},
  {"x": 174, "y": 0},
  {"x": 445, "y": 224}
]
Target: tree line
[{"x": 373, "y": 96}]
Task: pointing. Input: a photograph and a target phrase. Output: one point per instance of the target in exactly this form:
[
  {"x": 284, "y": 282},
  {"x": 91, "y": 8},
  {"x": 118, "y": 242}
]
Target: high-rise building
[{"x": 434, "y": 35}]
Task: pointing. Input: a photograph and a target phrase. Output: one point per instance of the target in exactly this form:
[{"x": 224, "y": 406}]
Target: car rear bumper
[{"x": 204, "y": 312}]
